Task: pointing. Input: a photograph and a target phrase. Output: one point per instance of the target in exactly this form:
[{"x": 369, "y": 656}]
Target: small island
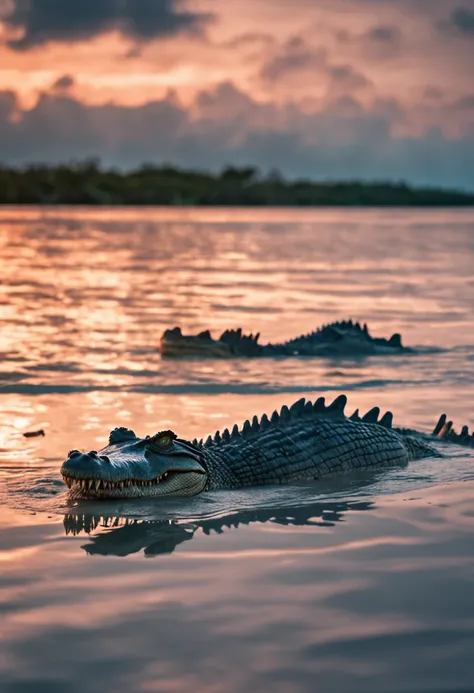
[{"x": 88, "y": 183}]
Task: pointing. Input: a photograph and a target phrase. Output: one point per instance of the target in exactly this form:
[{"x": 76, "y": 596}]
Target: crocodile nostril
[
  {"x": 105, "y": 458},
  {"x": 93, "y": 453},
  {"x": 73, "y": 453}
]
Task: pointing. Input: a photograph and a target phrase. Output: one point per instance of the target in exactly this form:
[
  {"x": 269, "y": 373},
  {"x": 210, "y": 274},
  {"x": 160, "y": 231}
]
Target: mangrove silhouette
[{"x": 87, "y": 183}]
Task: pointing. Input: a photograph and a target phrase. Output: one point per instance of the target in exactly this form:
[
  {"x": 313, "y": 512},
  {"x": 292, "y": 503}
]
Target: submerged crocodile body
[
  {"x": 304, "y": 442},
  {"x": 344, "y": 338}
]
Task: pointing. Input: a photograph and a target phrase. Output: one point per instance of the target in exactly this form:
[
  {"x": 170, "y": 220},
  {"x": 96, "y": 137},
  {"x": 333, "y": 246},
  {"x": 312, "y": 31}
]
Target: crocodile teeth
[{"x": 99, "y": 484}]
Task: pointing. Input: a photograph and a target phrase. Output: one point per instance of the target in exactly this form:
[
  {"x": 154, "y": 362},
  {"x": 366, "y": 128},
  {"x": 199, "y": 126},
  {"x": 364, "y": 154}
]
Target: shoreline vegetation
[{"x": 87, "y": 183}]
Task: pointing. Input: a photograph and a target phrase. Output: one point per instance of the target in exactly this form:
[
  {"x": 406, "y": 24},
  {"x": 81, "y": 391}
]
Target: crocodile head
[
  {"x": 130, "y": 467},
  {"x": 174, "y": 343},
  {"x": 230, "y": 343}
]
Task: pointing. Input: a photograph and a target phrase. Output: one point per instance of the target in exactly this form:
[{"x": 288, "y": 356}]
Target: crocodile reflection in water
[{"x": 155, "y": 537}]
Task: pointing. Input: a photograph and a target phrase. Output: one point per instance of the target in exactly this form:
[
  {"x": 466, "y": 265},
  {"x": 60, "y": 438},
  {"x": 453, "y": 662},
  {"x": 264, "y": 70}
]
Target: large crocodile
[
  {"x": 303, "y": 442},
  {"x": 344, "y": 338}
]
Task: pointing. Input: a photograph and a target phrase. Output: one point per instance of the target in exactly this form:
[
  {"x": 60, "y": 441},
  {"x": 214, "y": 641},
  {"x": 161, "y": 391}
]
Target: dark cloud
[
  {"x": 344, "y": 140},
  {"x": 383, "y": 42},
  {"x": 462, "y": 19},
  {"x": 296, "y": 60},
  {"x": 8, "y": 108},
  {"x": 431, "y": 93},
  {"x": 384, "y": 34},
  {"x": 295, "y": 56},
  {"x": 346, "y": 78},
  {"x": 63, "y": 83},
  {"x": 43, "y": 21},
  {"x": 466, "y": 103}
]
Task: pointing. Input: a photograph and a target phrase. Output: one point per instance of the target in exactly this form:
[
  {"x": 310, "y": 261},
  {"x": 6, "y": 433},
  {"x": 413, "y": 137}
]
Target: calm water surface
[{"x": 365, "y": 583}]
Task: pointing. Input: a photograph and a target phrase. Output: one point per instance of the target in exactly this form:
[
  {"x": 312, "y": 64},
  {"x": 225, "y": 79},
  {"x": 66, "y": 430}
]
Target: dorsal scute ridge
[
  {"x": 355, "y": 416},
  {"x": 440, "y": 425},
  {"x": 445, "y": 431},
  {"x": 386, "y": 420},
  {"x": 306, "y": 409},
  {"x": 337, "y": 406},
  {"x": 372, "y": 415},
  {"x": 298, "y": 407},
  {"x": 320, "y": 405},
  {"x": 334, "y": 410},
  {"x": 246, "y": 428}
]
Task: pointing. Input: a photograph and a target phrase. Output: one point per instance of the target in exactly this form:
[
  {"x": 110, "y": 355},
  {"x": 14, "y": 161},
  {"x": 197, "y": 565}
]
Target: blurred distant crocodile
[
  {"x": 304, "y": 442},
  {"x": 344, "y": 338}
]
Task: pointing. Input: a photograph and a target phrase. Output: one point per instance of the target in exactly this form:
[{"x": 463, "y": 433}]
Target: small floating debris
[{"x": 34, "y": 434}]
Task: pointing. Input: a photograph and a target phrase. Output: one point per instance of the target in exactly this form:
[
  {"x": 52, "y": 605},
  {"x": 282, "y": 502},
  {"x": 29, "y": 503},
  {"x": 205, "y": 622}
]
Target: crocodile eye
[{"x": 162, "y": 440}]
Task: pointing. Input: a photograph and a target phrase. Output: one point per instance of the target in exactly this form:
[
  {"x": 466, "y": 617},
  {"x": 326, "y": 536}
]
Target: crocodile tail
[
  {"x": 418, "y": 448},
  {"x": 444, "y": 431}
]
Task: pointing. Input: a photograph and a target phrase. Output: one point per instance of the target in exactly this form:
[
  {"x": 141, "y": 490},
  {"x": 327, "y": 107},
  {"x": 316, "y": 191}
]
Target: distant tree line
[{"x": 87, "y": 183}]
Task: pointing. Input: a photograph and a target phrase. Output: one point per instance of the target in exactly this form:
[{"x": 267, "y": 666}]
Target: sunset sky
[{"x": 320, "y": 88}]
